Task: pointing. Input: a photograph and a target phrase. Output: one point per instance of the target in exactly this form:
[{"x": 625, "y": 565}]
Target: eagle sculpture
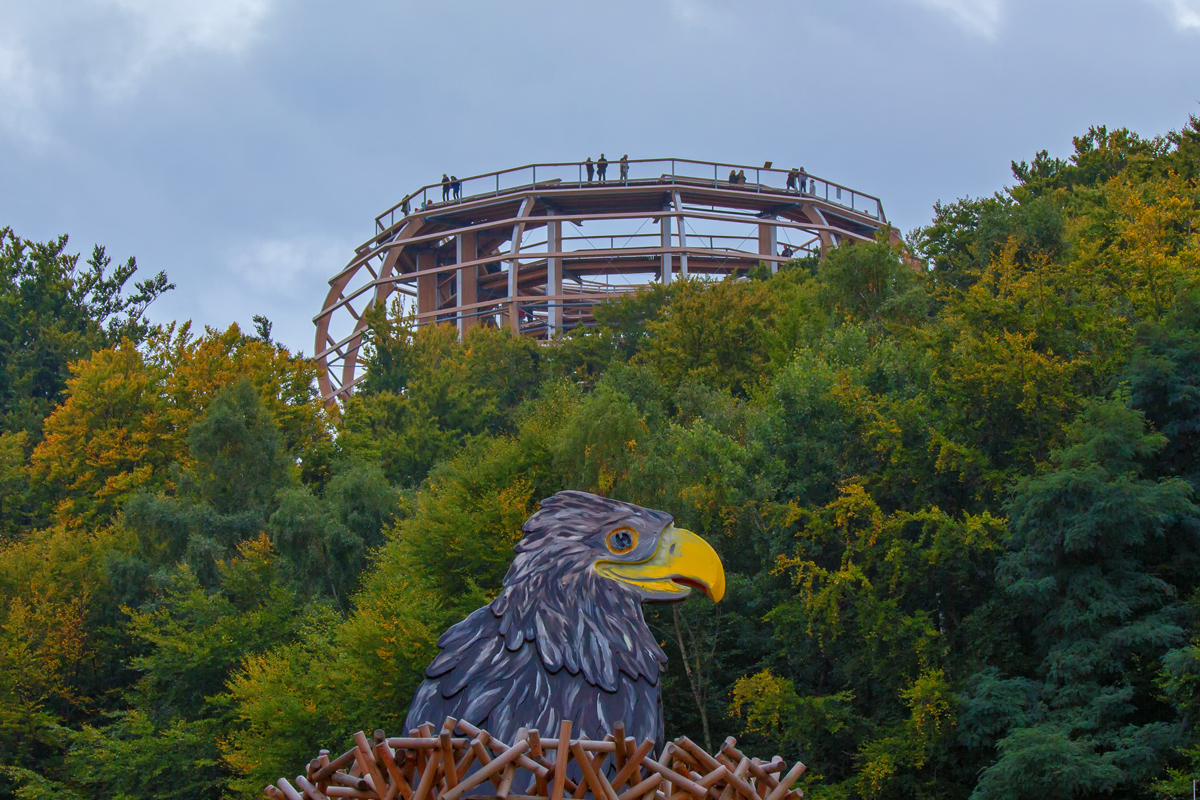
[{"x": 565, "y": 638}]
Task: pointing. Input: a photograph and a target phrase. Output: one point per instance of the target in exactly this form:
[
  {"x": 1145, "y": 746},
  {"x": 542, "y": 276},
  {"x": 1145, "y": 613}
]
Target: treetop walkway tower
[{"x": 536, "y": 247}]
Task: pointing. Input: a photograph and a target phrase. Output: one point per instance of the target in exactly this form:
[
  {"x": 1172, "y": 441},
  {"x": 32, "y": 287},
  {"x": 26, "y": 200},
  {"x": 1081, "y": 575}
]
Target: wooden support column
[
  {"x": 512, "y": 313},
  {"x": 814, "y": 215},
  {"x": 466, "y": 281},
  {"x": 664, "y": 223},
  {"x": 426, "y": 284},
  {"x": 554, "y": 311},
  {"x": 768, "y": 243},
  {"x": 514, "y": 267},
  {"x": 683, "y": 265}
]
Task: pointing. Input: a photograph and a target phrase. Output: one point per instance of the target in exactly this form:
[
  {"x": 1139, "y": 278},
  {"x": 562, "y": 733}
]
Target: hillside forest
[{"x": 952, "y": 483}]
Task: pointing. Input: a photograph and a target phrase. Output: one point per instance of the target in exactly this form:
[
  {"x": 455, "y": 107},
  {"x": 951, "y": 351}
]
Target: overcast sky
[{"x": 245, "y": 146}]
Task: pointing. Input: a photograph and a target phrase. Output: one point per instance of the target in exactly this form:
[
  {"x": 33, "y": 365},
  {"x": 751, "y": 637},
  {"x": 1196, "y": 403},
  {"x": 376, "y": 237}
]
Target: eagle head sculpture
[{"x": 565, "y": 638}]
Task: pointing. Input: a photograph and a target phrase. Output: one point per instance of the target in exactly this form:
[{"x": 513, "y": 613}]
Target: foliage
[
  {"x": 952, "y": 486},
  {"x": 52, "y": 312}
]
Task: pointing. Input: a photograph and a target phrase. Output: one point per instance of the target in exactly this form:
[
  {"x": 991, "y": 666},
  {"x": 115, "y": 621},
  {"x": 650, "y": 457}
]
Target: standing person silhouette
[
  {"x": 793, "y": 176},
  {"x": 591, "y": 170},
  {"x": 456, "y": 185},
  {"x": 602, "y": 168},
  {"x": 625, "y": 168},
  {"x": 741, "y": 177},
  {"x": 733, "y": 177},
  {"x": 445, "y": 188}
]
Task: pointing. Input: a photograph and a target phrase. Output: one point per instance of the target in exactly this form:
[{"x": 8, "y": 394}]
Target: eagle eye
[{"x": 622, "y": 540}]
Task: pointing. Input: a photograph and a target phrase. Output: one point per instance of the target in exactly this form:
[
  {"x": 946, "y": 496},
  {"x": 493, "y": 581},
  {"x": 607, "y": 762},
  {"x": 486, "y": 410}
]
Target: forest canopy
[{"x": 952, "y": 483}]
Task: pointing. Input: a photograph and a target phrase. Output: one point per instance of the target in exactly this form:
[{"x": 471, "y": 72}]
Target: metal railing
[{"x": 638, "y": 171}]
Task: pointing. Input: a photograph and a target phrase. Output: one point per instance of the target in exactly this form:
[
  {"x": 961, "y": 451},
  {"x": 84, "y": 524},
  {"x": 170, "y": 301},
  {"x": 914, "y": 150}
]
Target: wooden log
[
  {"x": 763, "y": 782},
  {"x": 350, "y": 781},
  {"x": 464, "y": 764},
  {"x": 346, "y": 791},
  {"x": 693, "y": 788},
  {"x": 601, "y": 790},
  {"x": 590, "y": 745},
  {"x": 483, "y": 755},
  {"x": 597, "y": 765},
  {"x": 786, "y": 782},
  {"x": 383, "y": 753},
  {"x": 736, "y": 782},
  {"x": 368, "y": 765},
  {"x": 498, "y": 746},
  {"x": 756, "y": 768},
  {"x": 535, "y": 752},
  {"x": 560, "y": 760},
  {"x": 448, "y": 757},
  {"x": 483, "y": 773},
  {"x": 288, "y": 790},
  {"x": 506, "y": 780},
  {"x": 639, "y": 789},
  {"x": 631, "y": 764},
  {"x": 510, "y": 771},
  {"x": 716, "y": 776},
  {"x": 427, "y": 777},
  {"x": 310, "y": 791},
  {"x": 699, "y": 753},
  {"x": 683, "y": 755},
  {"x": 420, "y": 742},
  {"x": 619, "y": 741},
  {"x": 410, "y": 766},
  {"x": 423, "y": 743},
  {"x": 341, "y": 761}
]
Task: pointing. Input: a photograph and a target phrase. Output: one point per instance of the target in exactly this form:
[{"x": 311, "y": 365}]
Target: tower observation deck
[{"x": 534, "y": 248}]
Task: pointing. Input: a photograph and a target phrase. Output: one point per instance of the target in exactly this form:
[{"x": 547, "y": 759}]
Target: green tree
[
  {"x": 1089, "y": 543},
  {"x": 52, "y": 313}
]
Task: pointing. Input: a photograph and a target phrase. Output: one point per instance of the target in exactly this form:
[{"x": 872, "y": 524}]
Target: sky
[{"x": 245, "y": 146}]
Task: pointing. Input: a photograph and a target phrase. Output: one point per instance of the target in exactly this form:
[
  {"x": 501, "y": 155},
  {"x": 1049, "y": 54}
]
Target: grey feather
[{"x": 560, "y": 641}]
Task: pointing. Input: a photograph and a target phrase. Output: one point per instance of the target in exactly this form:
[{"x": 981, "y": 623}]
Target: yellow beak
[{"x": 681, "y": 560}]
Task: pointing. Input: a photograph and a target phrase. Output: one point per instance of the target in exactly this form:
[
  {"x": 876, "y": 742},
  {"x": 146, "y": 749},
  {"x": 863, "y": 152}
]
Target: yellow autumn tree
[{"x": 109, "y": 439}]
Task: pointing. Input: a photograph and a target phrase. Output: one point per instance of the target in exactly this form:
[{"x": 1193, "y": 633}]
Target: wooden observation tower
[{"x": 536, "y": 247}]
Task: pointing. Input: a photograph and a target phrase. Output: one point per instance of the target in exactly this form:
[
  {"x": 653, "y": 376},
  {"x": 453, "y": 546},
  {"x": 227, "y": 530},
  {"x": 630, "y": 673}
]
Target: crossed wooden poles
[{"x": 443, "y": 766}]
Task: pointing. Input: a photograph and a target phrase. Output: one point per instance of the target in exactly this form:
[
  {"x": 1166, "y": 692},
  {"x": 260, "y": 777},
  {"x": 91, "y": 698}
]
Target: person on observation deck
[
  {"x": 445, "y": 188},
  {"x": 625, "y": 168},
  {"x": 404, "y": 207},
  {"x": 456, "y": 186},
  {"x": 733, "y": 177},
  {"x": 803, "y": 179},
  {"x": 602, "y": 168},
  {"x": 741, "y": 177},
  {"x": 793, "y": 177},
  {"x": 591, "y": 169}
]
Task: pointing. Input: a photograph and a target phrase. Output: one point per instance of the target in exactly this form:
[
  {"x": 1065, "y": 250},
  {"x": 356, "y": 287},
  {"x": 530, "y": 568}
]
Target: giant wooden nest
[
  {"x": 535, "y": 248},
  {"x": 462, "y": 762}
]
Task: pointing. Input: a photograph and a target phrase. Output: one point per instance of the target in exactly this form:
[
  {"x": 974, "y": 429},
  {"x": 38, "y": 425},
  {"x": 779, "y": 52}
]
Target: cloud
[
  {"x": 283, "y": 278},
  {"x": 279, "y": 264},
  {"x": 1185, "y": 14},
  {"x": 52, "y": 55},
  {"x": 978, "y": 17},
  {"x": 219, "y": 25},
  {"x": 701, "y": 14}
]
